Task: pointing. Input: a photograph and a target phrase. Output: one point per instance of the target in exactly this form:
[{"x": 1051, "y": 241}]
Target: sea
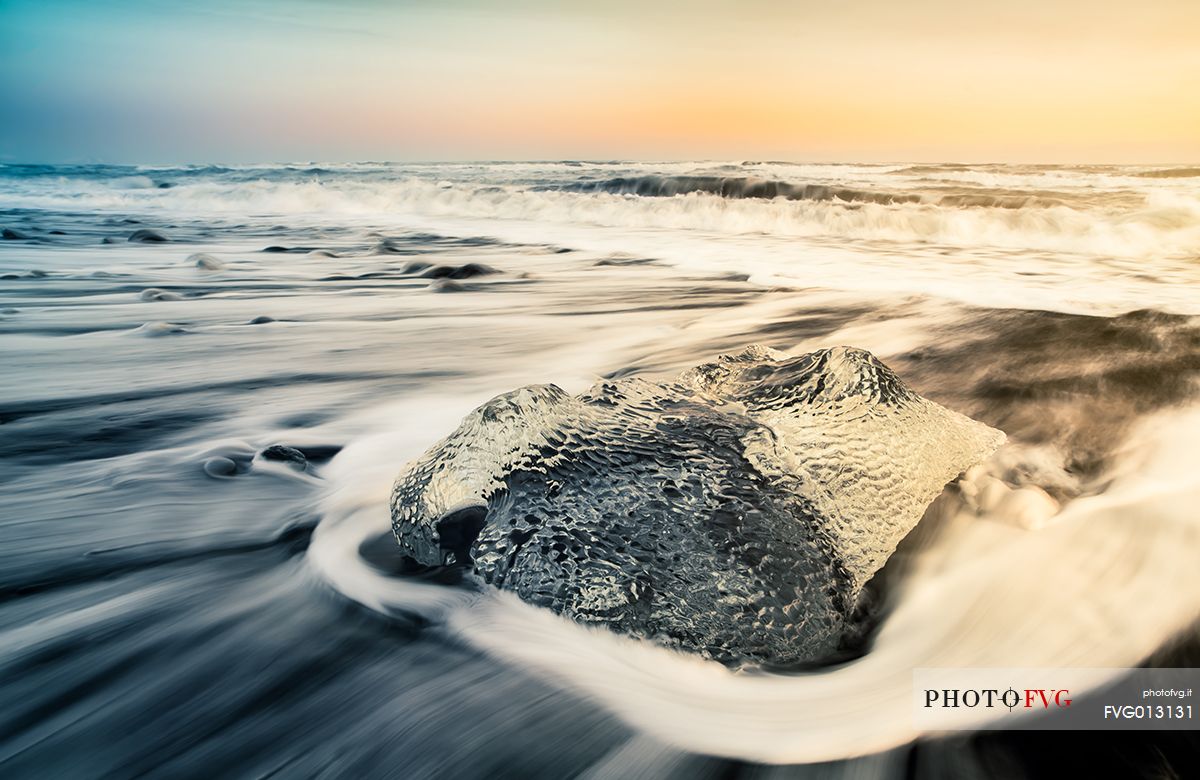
[{"x": 211, "y": 375}]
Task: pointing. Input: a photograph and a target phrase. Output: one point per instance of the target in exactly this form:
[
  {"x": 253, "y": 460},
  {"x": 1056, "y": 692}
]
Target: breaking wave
[
  {"x": 737, "y": 188},
  {"x": 734, "y": 187},
  {"x": 1159, "y": 223},
  {"x": 1170, "y": 173}
]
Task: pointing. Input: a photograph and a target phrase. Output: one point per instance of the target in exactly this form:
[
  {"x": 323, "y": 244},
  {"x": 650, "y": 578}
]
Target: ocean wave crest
[
  {"x": 735, "y": 187},
  {"x": 1155, "y": 221}
]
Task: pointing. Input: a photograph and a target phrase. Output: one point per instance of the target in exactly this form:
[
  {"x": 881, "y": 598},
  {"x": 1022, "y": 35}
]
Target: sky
[{"x": 156, "y": 81}]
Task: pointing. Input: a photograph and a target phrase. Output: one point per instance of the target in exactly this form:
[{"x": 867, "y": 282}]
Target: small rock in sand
[
  {"x": 220, "y": 467},
  {"x": 284, "y": 454}
]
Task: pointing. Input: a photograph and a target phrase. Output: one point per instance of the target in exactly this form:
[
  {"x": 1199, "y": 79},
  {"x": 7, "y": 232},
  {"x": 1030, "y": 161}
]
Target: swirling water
[{"x": 178, "y": 600}]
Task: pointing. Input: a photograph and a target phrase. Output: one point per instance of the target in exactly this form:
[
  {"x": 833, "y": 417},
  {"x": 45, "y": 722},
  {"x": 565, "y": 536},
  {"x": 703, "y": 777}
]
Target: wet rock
[
  {"x": 282, "y": 453},
  {"x": 262, "y": 319},
  {"x": 14, "y": 235},
  {"x": 319, "y": 452},
  {"x": 220, "y": 467}
]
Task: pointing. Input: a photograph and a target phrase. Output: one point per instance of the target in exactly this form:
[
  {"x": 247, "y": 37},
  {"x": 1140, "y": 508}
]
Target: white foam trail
[
  {"x": 357, "y": 509},
  {"x": 334, "y": 555},
  {"x": 1104, "y": 586}
]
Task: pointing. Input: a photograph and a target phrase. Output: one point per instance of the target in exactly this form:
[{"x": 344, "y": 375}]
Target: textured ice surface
[{"x": 736, "y": 511}]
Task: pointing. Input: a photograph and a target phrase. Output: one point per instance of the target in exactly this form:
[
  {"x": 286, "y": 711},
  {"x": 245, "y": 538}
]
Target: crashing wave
[
  {"x": 1115, "y": 213},
  {"x": 1170, "y": 173},
  {"x": 748, "y": 188},
  {"x": 736, "y": 511},
  {"x": 734, "y": 187}
]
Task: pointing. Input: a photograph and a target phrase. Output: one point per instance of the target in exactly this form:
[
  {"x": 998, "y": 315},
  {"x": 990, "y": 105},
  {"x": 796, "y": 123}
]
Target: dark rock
[
  {"x": 220, "y": 467},
  {"x": 319, "y": 452},
  {"x": 284, "y": 454},
  {"x": 14, "y": 235}
]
